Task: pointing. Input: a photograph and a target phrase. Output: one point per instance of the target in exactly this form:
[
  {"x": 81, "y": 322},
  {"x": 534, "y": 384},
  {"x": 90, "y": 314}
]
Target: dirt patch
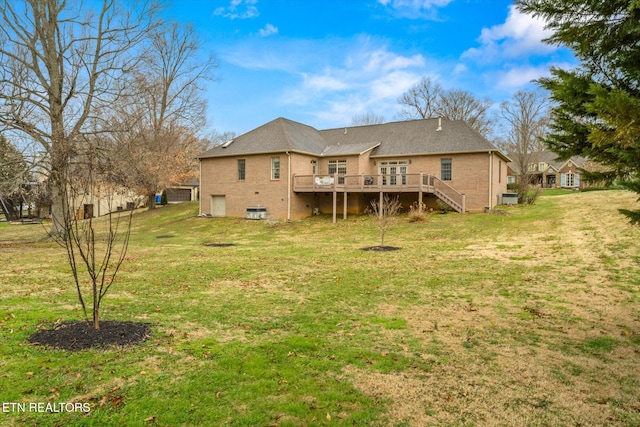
[
  {"x": 219, "y": 245},
  {"x": 380, "y": 248},
  {"x": 78, "y": 335}
]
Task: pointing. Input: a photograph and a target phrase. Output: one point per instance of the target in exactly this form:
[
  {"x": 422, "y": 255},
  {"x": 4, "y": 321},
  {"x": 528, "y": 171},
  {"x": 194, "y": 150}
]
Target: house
[
  {"x": 291, "y": 170},
  {"x": 546, "y": 171}
]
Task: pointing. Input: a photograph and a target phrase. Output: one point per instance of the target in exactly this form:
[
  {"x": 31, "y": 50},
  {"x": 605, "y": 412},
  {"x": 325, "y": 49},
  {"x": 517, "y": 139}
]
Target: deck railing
[{"x": 392, "y": 183}]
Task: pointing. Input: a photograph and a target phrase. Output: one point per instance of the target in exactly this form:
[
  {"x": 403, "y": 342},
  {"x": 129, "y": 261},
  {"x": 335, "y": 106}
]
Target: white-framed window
[
  {"x": 394, "y": 172},
  {"x": 241, "y": 169},
  {"x": 275, "y": 168},
  {"x": 314, "y": 167},
  {"x": 570, "y": 179},
  {"x": 445, "y": 169},
  {"x": 338, "y": 167}
]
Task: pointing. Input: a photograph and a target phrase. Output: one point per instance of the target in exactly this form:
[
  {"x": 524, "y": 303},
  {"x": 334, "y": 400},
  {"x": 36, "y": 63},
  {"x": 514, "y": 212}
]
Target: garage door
[
  {"x": 218, "y": 206},
  {"x": 178, "y": 195}
]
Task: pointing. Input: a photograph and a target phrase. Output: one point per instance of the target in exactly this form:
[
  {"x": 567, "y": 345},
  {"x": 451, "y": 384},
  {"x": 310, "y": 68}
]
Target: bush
[
  {"x": 443, "y": 207},
  {"x": 163, "y": 198},
  {"x": 530, "y": 195},
  {"x": 417, "y": 212}
]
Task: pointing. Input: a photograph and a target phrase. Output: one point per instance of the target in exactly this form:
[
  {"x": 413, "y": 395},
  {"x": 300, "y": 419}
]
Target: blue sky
[{"x": 321, "y": 62}]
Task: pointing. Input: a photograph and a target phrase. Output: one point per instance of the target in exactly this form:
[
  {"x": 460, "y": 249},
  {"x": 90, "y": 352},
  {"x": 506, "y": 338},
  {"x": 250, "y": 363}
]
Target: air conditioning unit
[
  {"x": 509, "y": 198},
  {"x": 258, "y": 212}
]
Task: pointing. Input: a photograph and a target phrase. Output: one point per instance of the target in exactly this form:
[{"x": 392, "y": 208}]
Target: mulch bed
[
  {"x": 380, "y": 248},
  {"x": 79, "y": 335}
]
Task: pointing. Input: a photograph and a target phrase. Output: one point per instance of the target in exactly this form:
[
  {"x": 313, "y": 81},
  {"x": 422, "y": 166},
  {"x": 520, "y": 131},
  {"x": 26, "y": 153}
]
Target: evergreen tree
[{"x": 597, "y": 104}]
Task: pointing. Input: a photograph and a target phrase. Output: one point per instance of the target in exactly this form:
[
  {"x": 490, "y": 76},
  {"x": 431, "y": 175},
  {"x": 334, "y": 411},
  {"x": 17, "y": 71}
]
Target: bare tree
[
  {"x": 60, "y": 65},
  {"x": 97, "y": 245},
  {"x": 158, "y": 139},
  {"x": 526, "y": 117},
  {"x": 421, "y": 100},
  {"x": 462, "y": 105},
  {"x": 368, "y": 118},
  {"x": 385, "y": 214},
  {"x": 427, "y": 100}
]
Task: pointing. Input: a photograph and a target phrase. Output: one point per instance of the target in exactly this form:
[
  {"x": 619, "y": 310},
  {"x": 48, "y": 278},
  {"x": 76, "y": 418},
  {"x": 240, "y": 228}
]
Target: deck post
[
  {"x": 335, "y": 202},
  {"x": 420, "y": 191},
  {"x": 381, "y": 205},
  {"x": 344, "y": 211}
]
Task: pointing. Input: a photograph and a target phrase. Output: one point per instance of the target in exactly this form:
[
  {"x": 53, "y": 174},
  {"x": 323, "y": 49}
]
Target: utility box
[
  {"x": 509, "y": 199},
  {"x": 257, "y": 212}
]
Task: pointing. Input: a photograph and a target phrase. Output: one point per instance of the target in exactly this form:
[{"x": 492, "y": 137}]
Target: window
[
  {"x": 314, "y": 167},
  {"x": 339, "y": 167},
  {"x": 392, "y": 170},
  {"x": 275, "y": 168},
  {"x": 570, "y": 180},
  {"x": 445, "y": 169},
  {"x": 241, "y": 169}
]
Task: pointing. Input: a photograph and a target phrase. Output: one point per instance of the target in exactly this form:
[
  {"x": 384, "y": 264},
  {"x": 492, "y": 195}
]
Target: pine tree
[{"x": 597, "y": 105}]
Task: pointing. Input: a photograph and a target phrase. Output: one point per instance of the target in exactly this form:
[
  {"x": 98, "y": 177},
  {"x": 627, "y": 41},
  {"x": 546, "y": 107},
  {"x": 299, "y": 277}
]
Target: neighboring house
[
  {"x": 293, "y": 170},
  {"x": 186, "y": 192},
  {"x": 546, "y": 171}
]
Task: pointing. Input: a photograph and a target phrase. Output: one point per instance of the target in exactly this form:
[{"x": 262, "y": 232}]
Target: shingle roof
[
  {"x": 276, "y": 136},
  {"x": 403, "y": 138},
  {"x": 413, "y": 137}
]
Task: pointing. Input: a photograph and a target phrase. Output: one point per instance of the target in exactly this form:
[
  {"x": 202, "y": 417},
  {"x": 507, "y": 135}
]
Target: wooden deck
[{"x": 397, "y": 183}]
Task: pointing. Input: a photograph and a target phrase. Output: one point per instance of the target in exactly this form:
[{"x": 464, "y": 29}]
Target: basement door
[{"x": 218, "y": 206}]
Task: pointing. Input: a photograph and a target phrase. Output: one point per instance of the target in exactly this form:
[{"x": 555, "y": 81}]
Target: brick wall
[{"x": 219, "y": 177}]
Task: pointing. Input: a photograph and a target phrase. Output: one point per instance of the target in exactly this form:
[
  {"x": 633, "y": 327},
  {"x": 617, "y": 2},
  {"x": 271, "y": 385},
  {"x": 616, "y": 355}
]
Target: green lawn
[{"x": 528, "y": 316}]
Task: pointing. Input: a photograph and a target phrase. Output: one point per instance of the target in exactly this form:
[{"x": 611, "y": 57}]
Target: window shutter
[
  {"x": 577, "y": 180},
  {"x": 563, "y": 180}
]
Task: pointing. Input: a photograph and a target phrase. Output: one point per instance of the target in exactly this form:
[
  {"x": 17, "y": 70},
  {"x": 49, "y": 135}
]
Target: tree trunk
[
  {"x": 151, "y": 203},
  {"x": 96, "y": 317},
  {"x": 57, "y": 213}
]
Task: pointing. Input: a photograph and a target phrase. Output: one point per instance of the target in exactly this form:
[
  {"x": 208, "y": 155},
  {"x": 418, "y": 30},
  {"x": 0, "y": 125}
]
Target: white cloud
[
  {"x": 268, "y": 30},
  {"x": 414, "y": 9},
  {"x": 521, "y": 35},
  {"x": 519, "y": 76},
  {"x": 323, "y": 83},
  {"x": 238, "y": 9},
  {"x": 368, "y": 78}
]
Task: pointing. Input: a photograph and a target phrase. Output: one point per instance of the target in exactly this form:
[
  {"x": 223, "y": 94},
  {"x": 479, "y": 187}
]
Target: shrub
[
  {"x": 417, "y": 212},
  {"x": 442, "y": 206}
]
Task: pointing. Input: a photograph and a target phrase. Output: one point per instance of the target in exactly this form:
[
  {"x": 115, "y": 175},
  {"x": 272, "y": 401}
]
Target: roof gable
[{"x": 276, "y": 136}]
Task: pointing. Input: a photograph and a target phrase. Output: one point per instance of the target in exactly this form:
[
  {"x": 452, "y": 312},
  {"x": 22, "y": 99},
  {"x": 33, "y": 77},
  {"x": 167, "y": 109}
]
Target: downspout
[
  {"x": 490, "y": 179},
  {"x": 288, "y": 186}
]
